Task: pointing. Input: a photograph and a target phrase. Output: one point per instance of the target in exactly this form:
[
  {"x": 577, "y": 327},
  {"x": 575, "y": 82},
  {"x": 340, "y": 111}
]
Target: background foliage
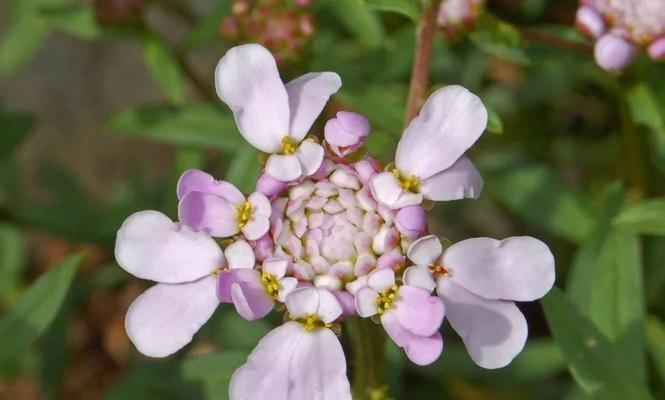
[{"x": 98, "y": 119}]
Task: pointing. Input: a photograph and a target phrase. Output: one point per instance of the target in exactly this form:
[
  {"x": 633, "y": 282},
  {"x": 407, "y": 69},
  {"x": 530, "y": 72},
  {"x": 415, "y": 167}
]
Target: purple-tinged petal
[
  {"x": 419, "y": 276},
  {"x": 425, "y": 251},
  {"x": 248, "y": 82},
  {"x": 590, "y": 22},
  {"x": 327, "y": 166},
  {"x": 451, "y": 120},
  {"x": 209, "y": 213},
  {"x": 614, "y": 52},
  {"x": 411, "y": 221},
  {"x": 656, "y": 49},
  {"x": 308, "y": 95},
  {"x": 310, "y": 154},
  {"x": 381, "y": 279},
  {"x": 366, "y": 301},
  {"x": 270, "y": 186},
  {"x": 287, "y": 286},
  {"x": 392, "y": 259},
  {"x": 356, "y": 124},
  {"x": 459, "y": 181},
  {"x": 276, "y": 267},
  {"x": 240, "y": 254},
  {"x": 151, "y": 246},
  {"x": 421, "y": 350},
  {"x": 336, "y": 135},
  {"x": 347, "y": 301},
  {"x": 165, "y": 317},
  {"x": 494, "y": 331},
  {"x": 244, "y": 289},
  {"x": 518, "y": 268},
  {"x": 195, "y": 180},
  {"x": 284, "y": 167},
  {"x": 256, "y": 227},
  {"x": 418, "y": 311},
  {"x": 366, "y": 169},
  {"x": 263, "y": 247},
  {"x": 346, "y": 133}
]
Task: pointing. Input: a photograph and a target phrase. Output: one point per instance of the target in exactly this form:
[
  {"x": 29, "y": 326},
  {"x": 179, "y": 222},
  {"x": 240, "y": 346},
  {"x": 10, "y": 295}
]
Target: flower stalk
[{"x": 368, "y": 348}]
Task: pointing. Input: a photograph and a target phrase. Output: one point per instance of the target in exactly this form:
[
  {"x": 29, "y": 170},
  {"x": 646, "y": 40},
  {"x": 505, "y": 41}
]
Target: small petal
[
  {"x": 195, "y": 180},
  {"x": 451, "y": 120},
  {"x": 256, "y": 227},
  {"x": 425, "y": 251},
  {"x": 239, "y": 254},
  {"x": 366, "y": 301},
  {"x": 418, "y": 311},
  {"x": 248, "y": 82},
  {"x": 151, "y": 246},
  {"x": 313, "y": 301},
  {"x": 347, "y": 301},
  {"x": 381, "y": 279},
  {"x": 459, "y": 181},
  {"x": 421, "y": 350},
  {"x": 165, "y": 317},
  {"x": 284, "y": 167},
  {"x": 590, "y": 22},
  {"x": 494, "y": 331},
  {"x": 287, "y": 286},
  {"x": 260, "y": 204},
  {"x": 656, "y": 49},
  {"x": 308, "y": 95},
  {"x": 276, "y": 267},
  {"x": 310, "y": 154},
  {"x": 419, "y": 276},
  {"x": 213, "y": 214},
  {"x": 270, "y": 186},
  {"x": 244, "y": 289},
  {"x": 517, "y": 268},
  {"x": 411, "y": 221},
  {"x": 613, "y": 52}
]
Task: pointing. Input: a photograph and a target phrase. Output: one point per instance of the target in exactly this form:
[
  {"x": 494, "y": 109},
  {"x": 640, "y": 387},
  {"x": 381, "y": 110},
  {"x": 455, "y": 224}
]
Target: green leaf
[
  {"x": 206, "y": 30},
  {"x": 244, "y": 169},
  {"x": 647, "y": 217},
  {"x": 407, "y": 8},
  {"x": 358, "y": 19},
  {"x": 36, "y": 308},
  {"x": 644, "y": 108},
  {"x": 163, "y": 66},
  {"x": 499, "y": 38},
  {"x": 214, "y": 371},
  {"x": 655, "y": 329},
  {"x": 494, "y": 122},
  {"x": 198, "y": 126},
  {"x": 596, "y": 364},
  {"x": 75, "y": 19},
  {"x": 15, "y": 127},
  {"x": 12, "y": 262},
  {"x": 155, "y": 381}
]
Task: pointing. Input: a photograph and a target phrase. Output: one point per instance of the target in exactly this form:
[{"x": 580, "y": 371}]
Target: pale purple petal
[
  {"x": 308, "y": 95},
  {"x": 348, "y": 130},
  {"x": 590, "y": 22},
  {"x": 517, "y": 268},
  {"x": 656, "y": 49},
  {"x": 270, "y": 186},
  {"x": 459, "y": 181},
  {"x": 277, "y": 267},
  {"x": 263, "y": 247},
  {"x": 210, "y": 213},
  {"x": 411, "y": 221},
  {"x": 256, "y": 227},
  {"x": 165, "y": 317},
  {"x": 248, "y": 82},
  {"x": 240, "y": 254},
  {"x": 366, "y": 301},
  {"x": 260, "y": 204},
  {"x": 151, "y": 246},
  {"x": 419, "y": 276},
  {"x": 284, "y": 167},
  {"x": 287, "y": 286},
  {"x": 310, "y": 154},
  {"x": 614, "y": 52},
  {"x": 195, "y": 180},
  {"x": 244, "y": 289},
  {"x": 425, "y": 251},
  {"x": 366, "y": 169},
  {"x": 421, "y": 350},
  {"x": 392, "y": 259},
  {"x": 418, "y": 311},
  {"x": 451, "y": 120},
  {"x": 347, "y": 301},
  {"x": 381, "y": 279},
  {"x": 494, "y": 331}
]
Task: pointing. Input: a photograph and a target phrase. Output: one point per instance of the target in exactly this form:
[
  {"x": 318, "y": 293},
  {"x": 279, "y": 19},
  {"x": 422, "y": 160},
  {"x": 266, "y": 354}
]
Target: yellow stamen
[
  {"x": 409, "y": 183},
  {"x": 288, "y": 147},
  {"x": 312, "y": 322},
  {"x": 271, "y": 284},
  {"x": 440, "y": 270},
  {"x": 244, "y": 213},
  {"x": 386, "y": 299}
]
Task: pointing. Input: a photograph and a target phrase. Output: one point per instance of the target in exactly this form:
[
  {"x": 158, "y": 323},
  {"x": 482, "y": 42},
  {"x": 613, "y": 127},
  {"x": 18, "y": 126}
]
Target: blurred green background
[{"x": 103, "y": 103}]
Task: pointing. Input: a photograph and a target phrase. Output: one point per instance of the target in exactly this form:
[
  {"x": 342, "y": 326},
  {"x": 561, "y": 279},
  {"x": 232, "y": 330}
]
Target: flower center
[
  {"x": 409, "y": 183},
  {"x": 440, "y": 270},
  {"x": 271, "y": 284},
  {"x": 288, "y": 146},
  {"x": 312, "y": 322},
  {"x": 386, "y": 299},
  {"x": 244, "y": 213}
]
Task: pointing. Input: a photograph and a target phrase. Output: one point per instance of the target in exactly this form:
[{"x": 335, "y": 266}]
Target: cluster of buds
[
  {"x": 118, "y": 12},
  {"x": 329, "y": 235},
  {"x": 284, "y": 27},
  {"x": 456, "y": 16},
  {"x": 621, "y": 27}
]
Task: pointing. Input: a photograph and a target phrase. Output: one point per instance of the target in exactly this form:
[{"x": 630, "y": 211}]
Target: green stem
[
  {"x": 368, "y": 348},
  {"x": 632, "y": 148}
]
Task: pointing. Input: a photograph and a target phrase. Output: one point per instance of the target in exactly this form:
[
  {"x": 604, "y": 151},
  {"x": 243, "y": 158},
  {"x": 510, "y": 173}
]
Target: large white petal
[
  {"x": 248, "y": 81},
  {"x": 459, "y": 181},
  {"x": 308, "y": 95},
  {"x": 151, "y": 246},
  {"x": 494, "y": 331},
  {"x": 451, "y": 120},
  {"x": 284, "y": 167},
  {"x": 165, "y": 317},
  {"x": 518, "y": 268}
]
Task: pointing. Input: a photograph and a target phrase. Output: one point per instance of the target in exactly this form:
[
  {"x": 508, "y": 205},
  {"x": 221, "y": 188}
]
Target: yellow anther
[
  {"x": 271, "y": 284},
  {"x": 312, "y": 322},
  {"x": 409, "y": 183},
  {"x": 244, "y": 213},
  {"x": 440, "y": 270},
  {"x": 386, "y": 299},
  {"x": 288, "y": 147}
]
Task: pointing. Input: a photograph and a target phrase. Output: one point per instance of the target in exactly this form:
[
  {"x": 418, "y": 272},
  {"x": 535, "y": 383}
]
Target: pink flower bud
[
  {"x": 346, "y": 133},
  {"x": 269, "y": 186},
  {"x": 613, "y": 52},
  {"x": 590, "y": 22},
  {"x": 656, "y": 49}
]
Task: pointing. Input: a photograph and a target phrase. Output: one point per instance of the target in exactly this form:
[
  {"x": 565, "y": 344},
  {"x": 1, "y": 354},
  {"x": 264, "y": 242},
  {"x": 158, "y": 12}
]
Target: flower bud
[
  {"x": 346, "y": 133},
  {"x": 614, "y": 52}
]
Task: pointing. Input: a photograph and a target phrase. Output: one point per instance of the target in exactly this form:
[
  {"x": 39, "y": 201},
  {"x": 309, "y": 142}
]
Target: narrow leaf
[
  {"x": 647, "y": 217},
  {"x": 163, "y": 66},
  {"x": 359, "y": 20},
  {"x": 12, "y": 262},
  {"x": 656, "y": 340},
  {"x": 405, "y": 7}
]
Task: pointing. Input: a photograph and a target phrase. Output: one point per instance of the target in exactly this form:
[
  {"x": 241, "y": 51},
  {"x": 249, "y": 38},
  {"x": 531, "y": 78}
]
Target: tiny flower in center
[
  {"x": 312, "y": 322},
  {"x": 244, "y": 213},
  {"x": 271, "y": 283},
  {"x": 288, "y": 146},
  {"x": 386, "y": 298},
  {"x": 409, "y": 183}
]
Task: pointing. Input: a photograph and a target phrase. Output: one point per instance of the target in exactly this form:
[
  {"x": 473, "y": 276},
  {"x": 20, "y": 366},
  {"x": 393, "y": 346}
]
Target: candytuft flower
[
  {"x": 478, "y": 280},
  {"x": 271, "y": 116},
  {"x": 346, "y": 133},
  {"x": 430, "y": 161}
]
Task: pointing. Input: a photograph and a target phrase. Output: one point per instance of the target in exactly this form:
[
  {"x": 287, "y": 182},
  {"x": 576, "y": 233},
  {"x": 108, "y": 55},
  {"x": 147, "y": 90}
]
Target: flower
[
  {"x": 409, "y": 314},
  {"x": 220, "y": 208},
  {"x": 271, "y": 116},
  {"x": 620, "y": 27},
  {"x": 184, "y": 263},
  {"x": 430, "y": 162},
  {"x": 301, "y": 359},
  {"x": 478, "y": 280},
  {"x": 455, "y": 16},
  {"x": 346, "y": 133}
]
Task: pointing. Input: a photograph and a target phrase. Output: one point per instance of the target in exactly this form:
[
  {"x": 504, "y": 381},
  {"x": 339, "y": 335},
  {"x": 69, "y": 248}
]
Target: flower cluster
[
  {"x": 284, "y": 27},
  {"x": 329, "y": 235},
  {"x": 456, "y": 16},
  {"x": 620, "y": 27}
]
